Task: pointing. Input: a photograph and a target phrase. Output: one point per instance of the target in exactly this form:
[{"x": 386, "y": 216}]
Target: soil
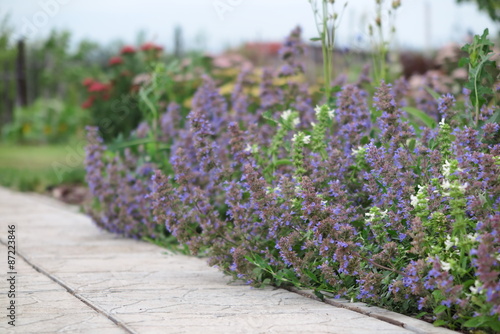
[{"x": 75, "y": 194}]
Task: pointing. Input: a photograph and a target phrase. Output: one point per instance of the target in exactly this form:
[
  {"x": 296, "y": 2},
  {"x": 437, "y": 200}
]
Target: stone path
[{"x": 74, "y": 278}]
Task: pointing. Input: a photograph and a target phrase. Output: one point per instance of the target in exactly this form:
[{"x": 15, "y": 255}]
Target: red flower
[
  {"x": 115, "y": 61},
  {"x": 151, "y": 46},
  {"x": 87, "y": 82},
  {"x": 97, "y": 87},
  {"x": 88, "y": 103},
  {"x": 127, "y": 49}
]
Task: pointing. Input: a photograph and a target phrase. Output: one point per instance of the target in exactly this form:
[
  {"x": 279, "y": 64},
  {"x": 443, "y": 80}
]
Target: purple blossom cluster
[
  {"x": 120, "y": 189},
  {"x": 401, "y": 217}
]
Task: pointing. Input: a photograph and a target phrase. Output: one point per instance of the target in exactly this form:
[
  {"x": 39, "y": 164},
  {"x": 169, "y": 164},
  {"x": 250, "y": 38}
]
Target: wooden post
[
  {"x": 178, "y": 42},
  {"x": 8, "y": 107},
  {"x": 21, "y": 82}
]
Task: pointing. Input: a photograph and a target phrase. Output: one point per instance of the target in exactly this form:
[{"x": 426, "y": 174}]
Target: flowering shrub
[
  {"x": 348, "y": 198},
  {"x": 113, "y": 102}
]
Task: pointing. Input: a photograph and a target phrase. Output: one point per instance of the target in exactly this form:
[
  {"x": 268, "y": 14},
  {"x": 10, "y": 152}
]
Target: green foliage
[
  {"x": 326, "y": 18},
  {"x": 421, "y": 116},
  {"x": 137, "y": 85},
  {"x": 46, "y": 121},
  {"x": 55, "y": 69},
  {"x": 7, "y": 59},
  {"x": 482, "y": 71}
]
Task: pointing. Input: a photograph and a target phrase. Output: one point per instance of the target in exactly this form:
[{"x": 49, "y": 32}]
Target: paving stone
[{"x": 43, "y": 306}]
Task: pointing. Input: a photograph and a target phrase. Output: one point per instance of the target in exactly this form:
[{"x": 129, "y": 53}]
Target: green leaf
[
  {"x": 420, "y": 315},
  {"x": 365, "y": 140},
  {"x": 268, "y": 115},
  {"x": 392, "y": 233},
  {"x": 315, "y": 39},
  {"x": 495, "y": 118},
  {"x": 434, "y": 94},
  {"x": 463, "y": 61},
  {"x": 412, "y": 144},
  {"x": 440, "y": 322},
  {"x": 319, "y": 295},
  {"x": 283, "y": 162},
  {"x": 440, "y": 309},
  {"x": 494, "y": 324},
  {"x": 422, "y": 116},
  {"x": 476, "y": 321},
  {"x": 311, "y": 275}
]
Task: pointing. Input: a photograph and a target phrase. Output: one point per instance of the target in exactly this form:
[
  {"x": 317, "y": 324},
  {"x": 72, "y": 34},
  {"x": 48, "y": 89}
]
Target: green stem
[{"x": 477, "y": 98}]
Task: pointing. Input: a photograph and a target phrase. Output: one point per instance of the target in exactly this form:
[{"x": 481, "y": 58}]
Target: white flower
[
  {"x": 473, "y": 237},
  {"x": 370, "y": 215},
  {"x": 323, "y": 203},
  {"x": 374, "y": 212},
  {"x": 331, "y": 113},
  {"x": 446, "y": 184},
  {"x": 462, "y": 187},
  {"x": 305, "y": 139},
  {"x": 449, "y": 242},
  {"x": 446, "y": 168},
  {"x": 317, "y": 110},
  {"x": 286, "y": 114},
  {"x": 313, "y": 124},
  {"x": 414, "y": 201},
  {"x": 445, "y": 265},
  {"x": 289, "y": 115},
  {"x": 442, "y": 123},
  {"x": 477, "y": 288},
  {"x": 356, "y": 151},
  {"x": 251, "y": 148}
]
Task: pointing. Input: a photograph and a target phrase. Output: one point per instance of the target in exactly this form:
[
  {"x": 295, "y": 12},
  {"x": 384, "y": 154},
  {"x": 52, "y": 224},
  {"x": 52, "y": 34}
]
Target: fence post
[
  {"x": 178, "y": 42},
  {"x": 7, "y": 89},
  {"x": 22, "y": 89}
]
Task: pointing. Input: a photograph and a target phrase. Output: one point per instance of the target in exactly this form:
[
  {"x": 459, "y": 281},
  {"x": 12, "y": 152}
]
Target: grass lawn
[{"x": 36, "y": 168}]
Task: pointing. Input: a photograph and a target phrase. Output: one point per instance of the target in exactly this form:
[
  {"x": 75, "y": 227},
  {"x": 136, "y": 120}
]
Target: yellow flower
[
  {"x": 227, "y": 89},
  {"x": 26, "y": 128},
  {"x": 188, "y": 102},
  {"x": 63, "y": 127}
]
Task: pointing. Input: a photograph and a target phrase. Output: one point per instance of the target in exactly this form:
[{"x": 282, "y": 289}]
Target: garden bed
[{"x": 381, "y": 194}]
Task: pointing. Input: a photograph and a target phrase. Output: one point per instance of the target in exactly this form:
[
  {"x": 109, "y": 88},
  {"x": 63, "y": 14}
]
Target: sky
[{"x": 216, "y": 24}]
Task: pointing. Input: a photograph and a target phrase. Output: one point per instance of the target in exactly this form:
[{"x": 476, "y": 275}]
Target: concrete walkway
[{"x": 74, "y": 278}]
